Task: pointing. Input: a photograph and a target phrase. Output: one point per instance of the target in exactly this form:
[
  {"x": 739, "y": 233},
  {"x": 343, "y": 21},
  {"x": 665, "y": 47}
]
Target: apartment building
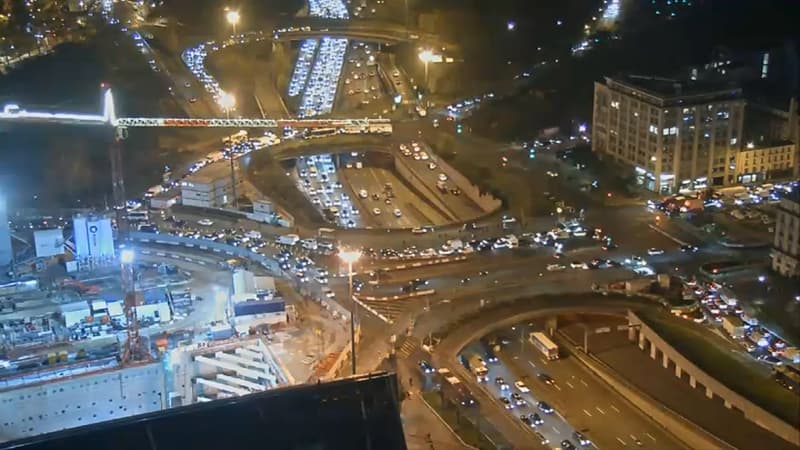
[{"x": 786, "y": 244}]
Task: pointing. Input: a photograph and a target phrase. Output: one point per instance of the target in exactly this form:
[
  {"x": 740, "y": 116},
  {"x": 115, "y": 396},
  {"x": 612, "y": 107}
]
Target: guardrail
[{"x": 207, "y": 245}]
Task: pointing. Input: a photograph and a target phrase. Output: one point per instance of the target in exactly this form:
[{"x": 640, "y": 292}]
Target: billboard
[
  {"x": 93, "y": 237},
  {"x": 48, "y": 242}
]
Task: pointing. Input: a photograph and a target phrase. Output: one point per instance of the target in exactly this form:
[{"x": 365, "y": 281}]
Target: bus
[
  {"x": 235, "y": 138},
  {"x": 138, "y": 215},
  {"x": 380, "y": 128},
  {"x": 454, "y": 389},
  {"x": 321, "y": 132},
  {"x": 544, "y": 344}
]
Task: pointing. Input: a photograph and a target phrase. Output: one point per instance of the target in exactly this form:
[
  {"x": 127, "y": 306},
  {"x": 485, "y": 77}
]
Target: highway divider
[
  {"x": 399, "y": 296},
  {"x": 674, "y": 423}
]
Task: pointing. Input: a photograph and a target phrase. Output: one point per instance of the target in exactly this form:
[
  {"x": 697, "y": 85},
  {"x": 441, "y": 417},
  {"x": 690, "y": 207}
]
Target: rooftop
[
  {"x": 669, "y": 89},
  {"x": 355, "y": 413},
  {"x": 210, "y": 173}
]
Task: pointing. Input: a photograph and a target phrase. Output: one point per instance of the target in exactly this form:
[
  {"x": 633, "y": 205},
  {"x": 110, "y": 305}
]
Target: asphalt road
[
  {"x": 587, "y": 403},
  {"x": 636, "y": 366}
]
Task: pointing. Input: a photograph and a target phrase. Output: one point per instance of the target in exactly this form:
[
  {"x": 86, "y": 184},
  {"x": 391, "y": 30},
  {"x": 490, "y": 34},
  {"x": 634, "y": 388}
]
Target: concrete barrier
[
  {"x": 486, "y": 202},
  {"x": 675, "y": 424},
  {"x": 423, "y": 189},
  {"x": 732, "y": 399}
]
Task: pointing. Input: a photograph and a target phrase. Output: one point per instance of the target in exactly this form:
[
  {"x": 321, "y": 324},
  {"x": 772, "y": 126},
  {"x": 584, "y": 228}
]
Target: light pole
[
  {"x": 350, "y": 257},
  {"x": 428, "y": 56},
  {"x": 232, "y": 16},
  {"x": 227, "y": 101}
]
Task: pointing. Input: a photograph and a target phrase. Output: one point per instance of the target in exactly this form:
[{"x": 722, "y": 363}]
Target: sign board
[
  {"x": 93, "y": 237},
  {"x": 49, "y": 242}
]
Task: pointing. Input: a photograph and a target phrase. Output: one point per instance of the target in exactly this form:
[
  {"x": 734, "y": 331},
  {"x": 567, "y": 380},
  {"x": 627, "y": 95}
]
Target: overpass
[
  {"x": 363, "y": 30},
  {"x": 13, "y": 113}
]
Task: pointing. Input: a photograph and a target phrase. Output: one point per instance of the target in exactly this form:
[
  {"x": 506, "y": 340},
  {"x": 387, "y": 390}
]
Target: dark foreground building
[{"x": 361, "y": 412}]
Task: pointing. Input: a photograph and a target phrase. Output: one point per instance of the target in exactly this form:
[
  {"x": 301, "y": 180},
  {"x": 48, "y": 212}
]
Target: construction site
[{"x": 102, "y": 330}]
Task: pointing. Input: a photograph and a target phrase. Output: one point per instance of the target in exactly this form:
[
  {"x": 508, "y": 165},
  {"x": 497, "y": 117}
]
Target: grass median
[{"x": 735, "y": 370}]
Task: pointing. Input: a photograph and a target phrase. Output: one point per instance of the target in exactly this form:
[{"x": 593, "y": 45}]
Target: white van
[
  {"x": 309, "y": 244},
  {"x": 288, "y": 239}
]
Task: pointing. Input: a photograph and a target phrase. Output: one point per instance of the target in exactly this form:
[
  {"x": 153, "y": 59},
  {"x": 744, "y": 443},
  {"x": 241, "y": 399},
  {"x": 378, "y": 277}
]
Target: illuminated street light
[
  {"x": 227, "y": 101},
  {"x": 126, "y": 256},
  {"x": 350, "y": 257},
  {"x": 511, "y": 25},
  {"x": 232, "y": 16},
  {"x": 428, "y": 56}
]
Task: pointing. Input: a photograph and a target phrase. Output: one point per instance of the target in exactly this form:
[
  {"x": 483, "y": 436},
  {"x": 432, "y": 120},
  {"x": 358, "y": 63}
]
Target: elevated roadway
[{"x": 364, "y": 30}]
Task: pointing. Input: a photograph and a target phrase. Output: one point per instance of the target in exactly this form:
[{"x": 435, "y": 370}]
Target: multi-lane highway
[{"x": 588, "y": 404}]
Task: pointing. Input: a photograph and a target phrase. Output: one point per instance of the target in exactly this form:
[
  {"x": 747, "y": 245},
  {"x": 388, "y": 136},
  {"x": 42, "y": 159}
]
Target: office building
[
  {"x": 672, "y": 134},
  {"x": 786, "y": 244},
  {"x": 6, "y": 252},
  {"x": 210, "y": 187}
]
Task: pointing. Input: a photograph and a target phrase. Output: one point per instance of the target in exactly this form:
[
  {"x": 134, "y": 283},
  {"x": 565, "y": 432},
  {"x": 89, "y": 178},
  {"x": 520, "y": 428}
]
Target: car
[
  {"x": 544, "y": 407},
  {"x": 578, "y": 265},
  {"x": 418, "y": 230},
  {"x": 520, "y": 385},
  {"x": 205, "y": 222},
  {"x": 376, "y": 211},
  {"x": 501, "y": 383},
  {"x": 506, "y": 403},
  {"x": 465, "y": 280},
  {"x": 689, "y": 248},
  {"x": 193, "y": 100},
  {"x": 655, "y": 251},
  {"x": 455, "y": 191},
  {"x": 582, "y": 440},
  {"x": 525, "y": 419},
  {"x": 482, "y": 273},
  {"x": 376, "y": 197},
  {"x": 397, "y": 213},
  {"x": 546, "y": 379},
  {"x": 426, "y": 367},
  {"x": 442, "y": 177},
  {"x": 388, "y": 201},
  {"x": 536, "y": 419},
  {"x": 432, "y": 166},
  {"x": 567, "y": 445},
  {"x": 542, "y": 440},
  {"x": 518, "y": 400},
  {"x": 555, "y": 267}
]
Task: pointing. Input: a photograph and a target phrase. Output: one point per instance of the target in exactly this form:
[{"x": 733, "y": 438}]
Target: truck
[
  {"x": 384, "y": 128},
  {"x": 454, "y": 389},
  {"x": 478, "y": 368},
  {"x": 287, "y": 239},
  {"x": 544, "y": 344},
  {"x": 734, "y": 326}
]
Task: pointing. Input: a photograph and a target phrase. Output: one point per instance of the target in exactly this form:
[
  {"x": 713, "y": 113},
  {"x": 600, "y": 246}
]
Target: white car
[
  {"x": 205, "y": 222},
  {"x": 363, "y": 193},
  {"x": 555, "y": 267},
  {"x": 398, "y": 213},
  {"x": 655, "y": 251},
  {"x": 521, "y": 386},
  {"x": 442, "y": 177},
  {"x": 432, "y": 166},
  {"x": 376, "y": 211}
]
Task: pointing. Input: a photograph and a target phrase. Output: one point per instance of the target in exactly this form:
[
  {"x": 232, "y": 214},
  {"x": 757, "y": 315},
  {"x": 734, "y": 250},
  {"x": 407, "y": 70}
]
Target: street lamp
[
  {"x": 427, "y": 56},
  {"x": 232, "y": 16},
  {"x": 227, "y": 101},
  {"x": 350, "y": 257}
]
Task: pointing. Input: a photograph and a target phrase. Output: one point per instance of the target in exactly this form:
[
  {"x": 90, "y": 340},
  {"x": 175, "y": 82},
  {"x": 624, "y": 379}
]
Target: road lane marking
[
  {"x": 531, "y": 363},
  {"x": 587, "y": 413},
  {"x": 600, "y": 410},
  {"x": 584, "y": 383},
  {"x": 570, "y": 385},
  {"x": 557, "y": 387},
  {"x": 556, "y": 429},
  {"x": 650, "y": 436},
  {"x": 622, "y": 442},
  {"x": 614, "y": 408},
  {"x": 634, "y": 438}
]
